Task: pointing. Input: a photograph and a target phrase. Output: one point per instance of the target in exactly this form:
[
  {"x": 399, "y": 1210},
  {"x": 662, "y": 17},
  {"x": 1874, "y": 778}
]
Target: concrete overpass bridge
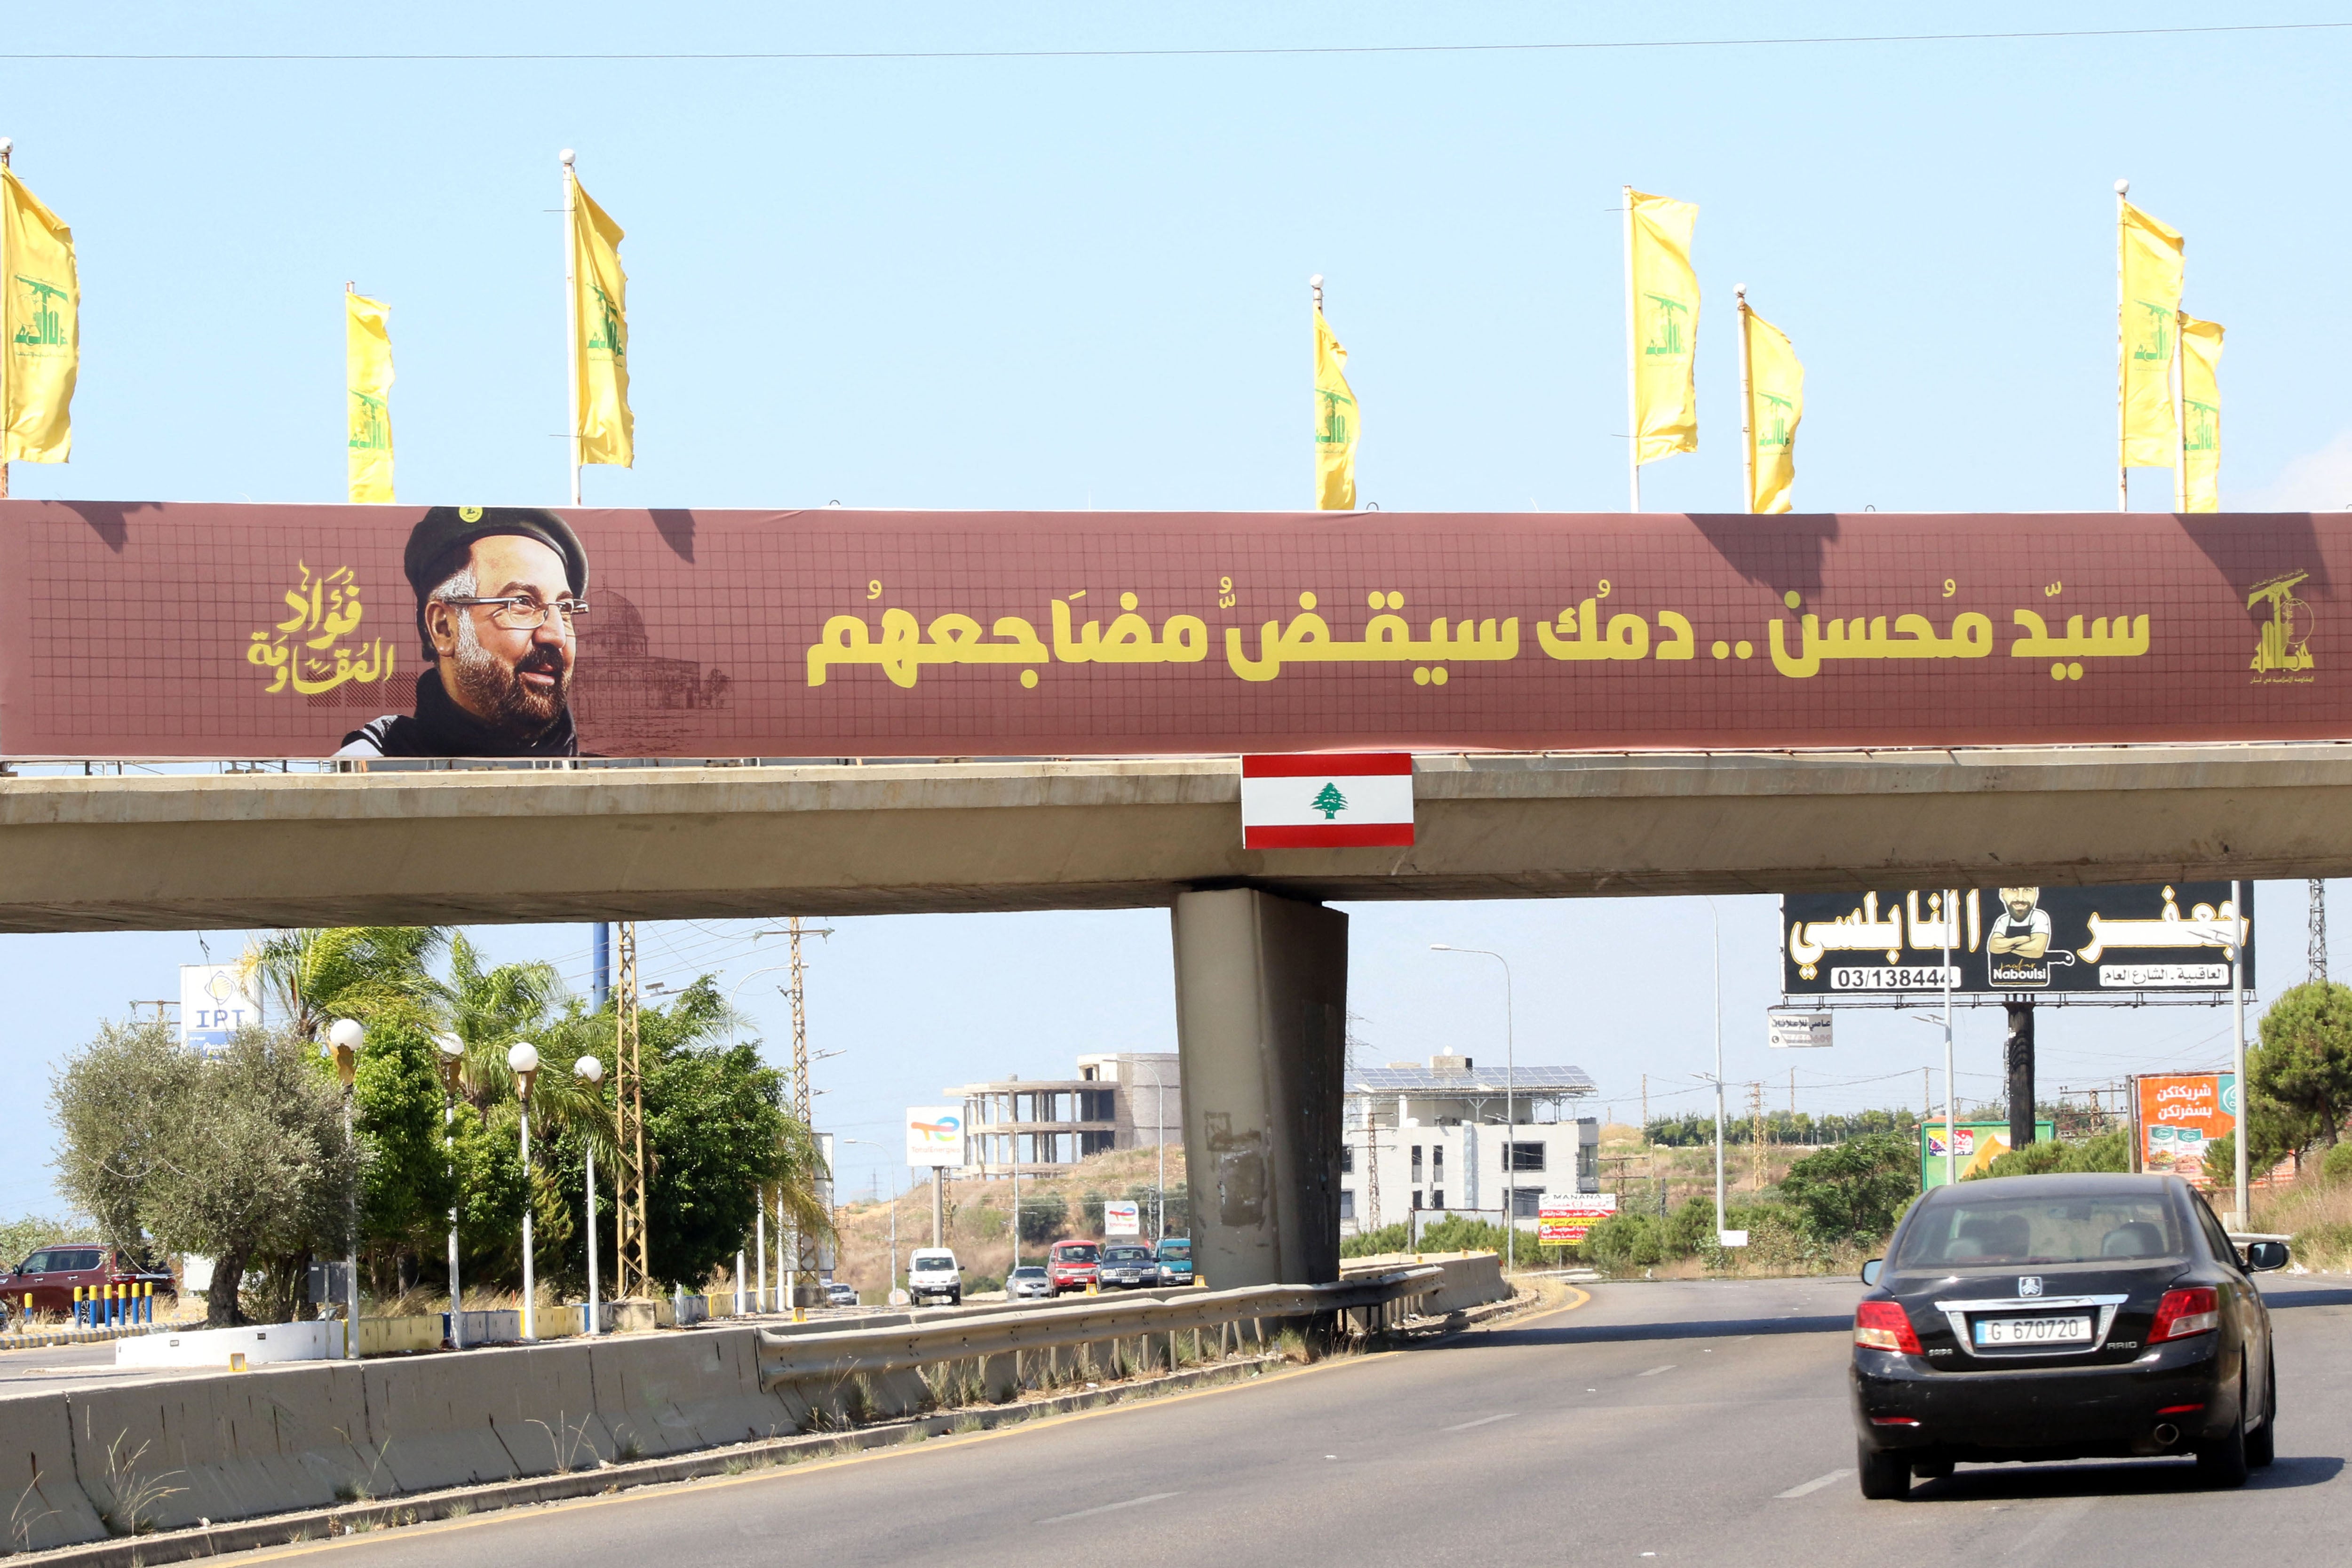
[{"x": 1260, "y": 960}]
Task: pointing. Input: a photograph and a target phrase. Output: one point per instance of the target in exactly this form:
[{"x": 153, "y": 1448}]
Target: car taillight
[
  {"x": 1884, "y": 1326},
  {"x": 2194, "y": 1310}
]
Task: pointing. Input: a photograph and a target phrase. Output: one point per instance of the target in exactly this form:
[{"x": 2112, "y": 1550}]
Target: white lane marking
[
  {"x": 1816, "y": 1484},
  {"x": 1655, "y": 1370},
  {"x": 1483, "y": 1421},
  {"x": 1109, "y": 1508}
]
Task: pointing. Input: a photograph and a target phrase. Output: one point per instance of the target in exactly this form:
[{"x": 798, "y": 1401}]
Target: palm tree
[
  {"x": 345, "y": 972},
  {"x": 492, "y": 1009}
]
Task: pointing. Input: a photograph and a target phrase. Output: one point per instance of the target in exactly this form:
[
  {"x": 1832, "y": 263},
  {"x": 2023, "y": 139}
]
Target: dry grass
[{"x": 2317, "y": 1213}]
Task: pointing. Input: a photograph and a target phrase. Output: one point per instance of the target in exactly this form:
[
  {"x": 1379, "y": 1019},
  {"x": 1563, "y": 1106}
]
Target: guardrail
[{"x": 900, "y": 1369}]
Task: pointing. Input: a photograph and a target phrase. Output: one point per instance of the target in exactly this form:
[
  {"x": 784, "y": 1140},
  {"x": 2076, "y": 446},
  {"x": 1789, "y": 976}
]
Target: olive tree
[{"x": 241, "y": 1155}]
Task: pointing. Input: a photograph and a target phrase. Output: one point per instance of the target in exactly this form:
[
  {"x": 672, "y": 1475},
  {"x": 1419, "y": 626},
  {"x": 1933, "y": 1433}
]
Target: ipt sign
[{"x": 215, "y": 1001}]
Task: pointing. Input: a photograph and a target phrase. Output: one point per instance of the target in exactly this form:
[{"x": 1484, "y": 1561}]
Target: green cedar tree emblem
[{"x": 1331, "y": 803}]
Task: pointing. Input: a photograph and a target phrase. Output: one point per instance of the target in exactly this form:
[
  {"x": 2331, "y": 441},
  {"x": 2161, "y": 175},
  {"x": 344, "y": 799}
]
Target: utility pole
[
  {"x": 799, "y": 1086},
  {"x": 1756, "y": 1132},
  {"x": 1646, "y": 1110},
  {"x": 2318, "y": 949},
  {"x": 1371, "y": 1167},
  {"x": 631, "y": 1273}
]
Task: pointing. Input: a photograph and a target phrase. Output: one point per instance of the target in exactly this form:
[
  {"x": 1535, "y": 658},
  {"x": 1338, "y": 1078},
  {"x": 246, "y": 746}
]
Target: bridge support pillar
[{"x": 1261, "y": 1025}]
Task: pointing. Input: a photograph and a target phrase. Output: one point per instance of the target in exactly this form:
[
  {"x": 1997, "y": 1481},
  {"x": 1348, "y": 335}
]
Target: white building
[{"x": 1433, "y": 1139}]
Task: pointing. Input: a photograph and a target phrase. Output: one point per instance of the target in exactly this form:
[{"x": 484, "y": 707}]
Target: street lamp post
[
  {"x": 1715, "y": 923},
  {"x": 1510, "y": 1108},
  {"x": 522, "y": 1056},
  {"x": 453, "y": 1066},
  {"x": 343, "y": 1041},
  {"x": 590, "y": 1071}
]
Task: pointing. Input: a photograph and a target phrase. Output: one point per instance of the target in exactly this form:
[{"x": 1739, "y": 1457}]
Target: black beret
[{"x": 442, "y": 535}]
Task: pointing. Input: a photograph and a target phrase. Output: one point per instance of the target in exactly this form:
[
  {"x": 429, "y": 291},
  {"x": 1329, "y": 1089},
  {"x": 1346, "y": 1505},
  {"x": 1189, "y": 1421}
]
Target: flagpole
[
  {"x": 1633, "y": 393},
  {"x": 571, "y": 318},
  {"x": 2180, "y": 381},
  {"x": 1747, "y": 408},
  {"x": 2122, "y": 415},
  {"x": 7, "y": 146}
]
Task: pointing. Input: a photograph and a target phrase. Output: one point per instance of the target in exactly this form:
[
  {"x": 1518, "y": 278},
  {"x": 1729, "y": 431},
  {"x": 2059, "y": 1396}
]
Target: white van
[{"x": 933, "y": 1275}]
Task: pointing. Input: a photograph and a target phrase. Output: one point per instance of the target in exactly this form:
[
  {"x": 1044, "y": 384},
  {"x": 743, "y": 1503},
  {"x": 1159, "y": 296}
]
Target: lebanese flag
[{"x": 1333, "y": 800}]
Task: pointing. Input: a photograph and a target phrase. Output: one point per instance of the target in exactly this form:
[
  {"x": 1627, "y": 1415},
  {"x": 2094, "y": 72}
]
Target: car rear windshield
[
  {"x": 1086, "y": 1253},
  {"x": 1993, "y": 1230}
]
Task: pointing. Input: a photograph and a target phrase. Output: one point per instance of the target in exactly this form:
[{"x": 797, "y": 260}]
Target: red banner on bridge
[{"x": 243, "y": 631}]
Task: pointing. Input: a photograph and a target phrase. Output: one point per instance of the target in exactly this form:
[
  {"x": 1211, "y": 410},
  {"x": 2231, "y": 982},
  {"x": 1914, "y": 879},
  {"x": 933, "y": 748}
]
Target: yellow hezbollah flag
[
  {"x": 1335, "y": 424},
  {"x": 2150, "y": 303},
  {"x": 367, "y": 375},
  {"x": 1664, "y": 324},
  {"x": 40, "y": 328},
  {"x": 1775, "y": 402},
  {"x": 2200, "y": 401},
  {"x": 600, "y": 358}
]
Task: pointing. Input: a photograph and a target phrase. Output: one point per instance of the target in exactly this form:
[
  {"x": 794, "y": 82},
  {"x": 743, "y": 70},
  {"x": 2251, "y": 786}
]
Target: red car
[
  {"x": 1073, "y": 1265},
  {"x": 52, "y": 1274}
]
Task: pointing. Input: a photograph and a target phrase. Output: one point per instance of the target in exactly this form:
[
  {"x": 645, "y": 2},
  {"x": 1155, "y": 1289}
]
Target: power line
[{"x": 1259, "y": 51}]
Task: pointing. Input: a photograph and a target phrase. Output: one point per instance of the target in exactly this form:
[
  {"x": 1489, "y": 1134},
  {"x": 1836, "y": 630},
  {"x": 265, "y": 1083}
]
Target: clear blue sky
[{"x": 1069, "y": 282}]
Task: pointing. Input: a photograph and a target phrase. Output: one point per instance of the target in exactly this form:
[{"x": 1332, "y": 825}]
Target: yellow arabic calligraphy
[
  {"x": 2126, "y": 637},
  {"x": 1182, "y": 639},
  {"x": 1868, "y": 637},
  {"x": 1388, "y": 638},
  {"x": 1628, "y": 635},
  {"x": 327, "y": 608}
]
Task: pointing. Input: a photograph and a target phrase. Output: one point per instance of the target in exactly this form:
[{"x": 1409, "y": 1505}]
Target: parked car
[
  {"x": 839, "y": 1294},
  {"x": 933, "y": 1275},
  {"x": 1127, "y": 1268},
  {"x": 50, "y": 1274},
  {"x": 1028, "y": 1282},
  {"x": 1073, "y": 1265},
  {"x": 2041, "y": 1318},
  {"x": 1174, "y": 1254}
]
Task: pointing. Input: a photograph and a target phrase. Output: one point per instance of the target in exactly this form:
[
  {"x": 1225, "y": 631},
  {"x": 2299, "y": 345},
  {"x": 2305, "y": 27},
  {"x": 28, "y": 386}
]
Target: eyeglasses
[{"x": 521, "y": 613}]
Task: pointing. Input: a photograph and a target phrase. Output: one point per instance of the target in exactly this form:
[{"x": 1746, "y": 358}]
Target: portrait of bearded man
[{"x": 499, "y": 594}]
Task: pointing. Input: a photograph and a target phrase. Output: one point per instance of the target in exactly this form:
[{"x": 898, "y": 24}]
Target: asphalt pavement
[{"x": 1695, "y": 1422}]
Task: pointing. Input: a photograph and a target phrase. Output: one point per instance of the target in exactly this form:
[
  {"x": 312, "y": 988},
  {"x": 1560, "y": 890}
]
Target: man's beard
[{"x": 490, "y": 687}]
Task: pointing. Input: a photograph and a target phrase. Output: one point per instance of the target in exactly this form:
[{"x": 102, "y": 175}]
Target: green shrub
[
  {"x": 1855, "y": 1189},
  {"x": 2110, "y": 1150},
  {"x": 2337, "y": 1164}
]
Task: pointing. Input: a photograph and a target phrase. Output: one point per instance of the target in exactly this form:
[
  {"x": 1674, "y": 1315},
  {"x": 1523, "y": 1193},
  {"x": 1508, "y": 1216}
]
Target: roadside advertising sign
[
  {"x": 215, "y": 1001},
  {"x": 2172, "y": 936},
  {"x": 278, "y": 631},
  {"x": 1564, "y": 1218},
  {"x": 1122, "y": 1219},
  {"x": 2179, "y": 1115},
  {"x": 1785, "y": 1030},
  {"x": 1980, "y": 1145},
  {"x": 935, "y": 1135}
]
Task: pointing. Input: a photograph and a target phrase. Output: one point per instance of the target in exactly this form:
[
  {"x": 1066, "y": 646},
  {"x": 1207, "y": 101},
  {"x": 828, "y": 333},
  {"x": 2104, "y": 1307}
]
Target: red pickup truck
[
  {"x": 49, "y": 1276},
  {"x": 1073, "y": 1265}
]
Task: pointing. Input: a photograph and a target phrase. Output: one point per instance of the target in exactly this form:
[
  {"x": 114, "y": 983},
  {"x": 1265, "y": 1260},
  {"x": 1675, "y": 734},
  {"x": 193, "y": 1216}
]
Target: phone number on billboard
[{"x": 1887, "y": 977}]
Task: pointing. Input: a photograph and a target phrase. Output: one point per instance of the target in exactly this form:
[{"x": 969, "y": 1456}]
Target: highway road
[{"x": 1700, "y": 1422}]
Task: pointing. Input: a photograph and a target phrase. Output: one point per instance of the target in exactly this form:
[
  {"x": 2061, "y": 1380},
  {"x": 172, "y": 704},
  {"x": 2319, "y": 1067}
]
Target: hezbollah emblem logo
[{"x": 2282, "y": 651}]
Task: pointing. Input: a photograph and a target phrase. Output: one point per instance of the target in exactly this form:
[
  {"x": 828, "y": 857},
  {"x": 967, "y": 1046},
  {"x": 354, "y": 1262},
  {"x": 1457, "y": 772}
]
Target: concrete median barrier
[
  {"x": 127, "y": 1458},
  {"x": 41, "y": 1500}
]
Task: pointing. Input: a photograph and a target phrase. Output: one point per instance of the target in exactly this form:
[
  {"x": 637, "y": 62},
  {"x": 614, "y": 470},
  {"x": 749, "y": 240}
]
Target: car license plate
[{"x": 2033, "y": 1331}]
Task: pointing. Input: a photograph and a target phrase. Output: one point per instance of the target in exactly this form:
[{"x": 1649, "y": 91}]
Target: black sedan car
[
  {"x": 2042, "y": 1318},
  {"x": 1128, "y": 1268}
]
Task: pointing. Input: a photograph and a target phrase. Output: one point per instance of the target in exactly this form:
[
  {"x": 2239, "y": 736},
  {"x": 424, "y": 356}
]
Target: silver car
[{"x": 1028, "y": 1283}]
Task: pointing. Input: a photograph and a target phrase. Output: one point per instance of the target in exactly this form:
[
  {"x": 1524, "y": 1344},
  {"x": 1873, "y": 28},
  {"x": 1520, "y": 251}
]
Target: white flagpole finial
[
  {"x": 2123, "y": 187},
  {"x": 565, "y": 157},
  {"x": 1739, "y": 290},
  {"x": 7, "y": 145}
]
